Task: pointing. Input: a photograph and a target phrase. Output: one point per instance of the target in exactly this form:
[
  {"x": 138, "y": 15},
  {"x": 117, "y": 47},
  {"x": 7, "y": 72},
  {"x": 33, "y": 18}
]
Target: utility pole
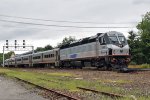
[{"x": 3, "y": 58}]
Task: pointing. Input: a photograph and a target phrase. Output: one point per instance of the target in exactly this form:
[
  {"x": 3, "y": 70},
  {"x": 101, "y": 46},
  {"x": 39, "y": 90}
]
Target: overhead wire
[
  {"x": 52, "y": 25},
  {"x": 63, "y": 20}
]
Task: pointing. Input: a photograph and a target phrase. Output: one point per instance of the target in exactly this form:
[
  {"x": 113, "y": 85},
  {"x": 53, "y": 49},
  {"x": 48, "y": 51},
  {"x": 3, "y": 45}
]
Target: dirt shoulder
[{"x": 13, "y": 90}]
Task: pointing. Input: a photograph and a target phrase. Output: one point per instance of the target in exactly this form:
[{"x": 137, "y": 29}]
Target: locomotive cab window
[{"x": 102, "y": 41}]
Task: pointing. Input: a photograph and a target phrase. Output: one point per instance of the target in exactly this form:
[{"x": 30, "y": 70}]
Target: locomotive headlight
[
  {"x": 128, "y": 60},
  {"x": 113, "y": 60}
]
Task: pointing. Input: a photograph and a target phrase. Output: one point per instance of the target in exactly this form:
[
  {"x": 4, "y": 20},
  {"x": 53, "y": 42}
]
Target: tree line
[
  {"x": 66, "y": 40},
  {"x": 139, "y": 42}
]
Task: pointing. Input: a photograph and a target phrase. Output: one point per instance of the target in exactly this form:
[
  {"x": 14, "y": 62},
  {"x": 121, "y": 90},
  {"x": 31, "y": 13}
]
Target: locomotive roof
[
  {"x": 56, "y": 49},
  {"x": 81, "y": 41},
  {"x": 90, "y": 39},
  {"x": 113, "y": 33}
]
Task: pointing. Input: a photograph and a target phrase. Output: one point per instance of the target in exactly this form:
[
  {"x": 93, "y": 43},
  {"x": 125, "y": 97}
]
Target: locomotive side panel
[{"x": 79, "y": 52}]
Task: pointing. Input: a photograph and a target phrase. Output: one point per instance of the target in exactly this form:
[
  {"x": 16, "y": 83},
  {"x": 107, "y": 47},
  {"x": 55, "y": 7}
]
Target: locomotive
[{"x": 108, "y": 50}]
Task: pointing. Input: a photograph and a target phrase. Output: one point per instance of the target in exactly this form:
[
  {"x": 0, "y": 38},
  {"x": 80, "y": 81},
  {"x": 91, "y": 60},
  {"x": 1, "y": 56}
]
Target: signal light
[
  {"x": 15, "y": 43},
  {"x": 23, "y": 43},
  {"x": 6, "y": 43}
]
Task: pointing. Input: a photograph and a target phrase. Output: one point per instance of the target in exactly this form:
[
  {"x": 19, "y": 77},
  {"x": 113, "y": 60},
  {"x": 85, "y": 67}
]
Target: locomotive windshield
[
  {"x": 113, "y": 39},
  {"x": 117, "y": 39},
  {"x": 121, "y": 39}
]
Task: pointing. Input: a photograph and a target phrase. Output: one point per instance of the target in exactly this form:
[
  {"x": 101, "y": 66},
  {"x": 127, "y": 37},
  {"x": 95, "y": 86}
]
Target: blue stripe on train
[{"x": 73, "y": 56}]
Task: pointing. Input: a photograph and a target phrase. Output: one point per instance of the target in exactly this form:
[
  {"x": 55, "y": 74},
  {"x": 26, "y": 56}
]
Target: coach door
[
  {"x": 30, "y": 60},
  {"x": 57, "y": 58}
]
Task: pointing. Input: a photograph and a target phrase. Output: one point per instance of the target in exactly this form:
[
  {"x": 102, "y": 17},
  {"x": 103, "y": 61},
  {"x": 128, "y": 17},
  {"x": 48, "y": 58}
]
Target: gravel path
[{"x": 11, "y": 90}]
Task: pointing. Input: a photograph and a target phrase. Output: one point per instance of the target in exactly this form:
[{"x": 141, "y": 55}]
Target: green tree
[
  {"x": 67, "y": 40},
  {"x": 48, "y": 47},
  {"x": 134, "y": 42},
  {"x": 38, "y": 49},
  {"x": 144, "y": 31},
  {"x": 7, "y": 55}
]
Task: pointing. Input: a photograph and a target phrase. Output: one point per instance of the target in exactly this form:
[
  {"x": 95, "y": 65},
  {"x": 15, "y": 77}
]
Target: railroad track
[
  {"x": 128, "y": 70},
  {"x": 104, "y": 93},
  {"x": 69, "y": 97},
  {"x": 139, "y": 69}
]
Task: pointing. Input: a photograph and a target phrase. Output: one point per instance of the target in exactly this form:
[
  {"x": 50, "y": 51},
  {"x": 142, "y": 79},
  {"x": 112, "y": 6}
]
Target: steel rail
[
  {"x": 104, "y": 93},
  {"x": 50, "y": 90}
]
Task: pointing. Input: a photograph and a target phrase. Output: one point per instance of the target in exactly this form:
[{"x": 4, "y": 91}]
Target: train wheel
[
  {"x": 92, "y": 63},
  {"x": 100, "y": 63}
]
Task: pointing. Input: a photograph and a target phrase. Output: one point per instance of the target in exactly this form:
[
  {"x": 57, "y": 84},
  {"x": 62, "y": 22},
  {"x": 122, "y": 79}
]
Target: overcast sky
[{"x": 102, "y": 13}]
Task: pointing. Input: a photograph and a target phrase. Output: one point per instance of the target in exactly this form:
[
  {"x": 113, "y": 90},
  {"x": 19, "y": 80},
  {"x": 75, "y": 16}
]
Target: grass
[
  {"x": 145, "y": 65},
  {"x": 115, "y": 81},
  {"x": 140, "y": 66},
  {"x": 65, "y": 81}
]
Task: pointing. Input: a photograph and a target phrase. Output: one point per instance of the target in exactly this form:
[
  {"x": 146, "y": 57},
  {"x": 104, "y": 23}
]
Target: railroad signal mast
[{"x": 16, "y": 47}]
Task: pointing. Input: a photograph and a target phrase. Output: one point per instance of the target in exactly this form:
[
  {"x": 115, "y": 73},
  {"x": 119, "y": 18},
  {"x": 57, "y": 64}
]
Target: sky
[{"x": 79, "y": 13}]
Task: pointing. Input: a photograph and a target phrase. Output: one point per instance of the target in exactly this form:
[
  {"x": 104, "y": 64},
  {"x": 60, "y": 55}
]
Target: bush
[{"x": 145, "y": 65}]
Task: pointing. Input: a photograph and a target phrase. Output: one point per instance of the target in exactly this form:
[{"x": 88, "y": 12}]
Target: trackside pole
[
  {"x": 3, "y": 57},
  {"x": 32, "y": 55}
]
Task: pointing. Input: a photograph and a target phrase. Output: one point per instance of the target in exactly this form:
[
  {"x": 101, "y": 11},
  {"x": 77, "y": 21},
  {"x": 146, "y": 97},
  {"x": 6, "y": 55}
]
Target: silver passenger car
[
  {"x": 27, "y": 60},
  {"x": 39, "y": 59}
]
